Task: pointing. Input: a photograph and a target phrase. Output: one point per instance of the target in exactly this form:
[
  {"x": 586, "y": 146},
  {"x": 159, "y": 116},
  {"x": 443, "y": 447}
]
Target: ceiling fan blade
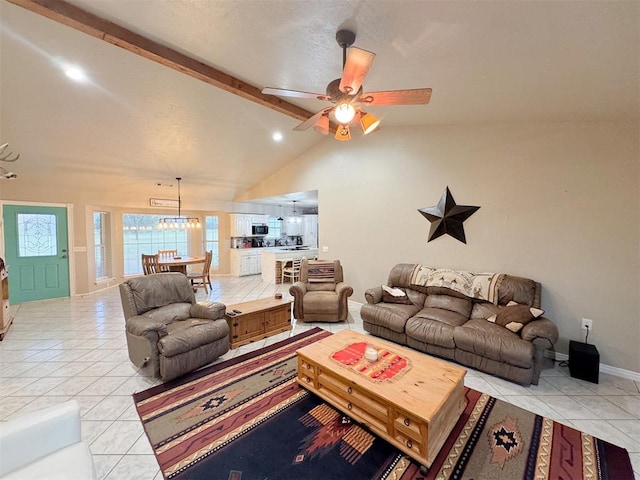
[
  {"x": 281, "y": 92},
  {"x": 415, "y": 96},
  {"x": 355, "y": 69},
  {"x": 311, "y": 120}
]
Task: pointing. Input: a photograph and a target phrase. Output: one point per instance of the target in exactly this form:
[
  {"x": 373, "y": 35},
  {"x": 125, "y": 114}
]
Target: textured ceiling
[{"x": 138, "y": 122}]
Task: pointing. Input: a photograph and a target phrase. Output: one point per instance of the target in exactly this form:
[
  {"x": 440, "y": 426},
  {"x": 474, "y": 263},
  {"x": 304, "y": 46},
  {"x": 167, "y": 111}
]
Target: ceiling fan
[{"x": 347, "y": 95}]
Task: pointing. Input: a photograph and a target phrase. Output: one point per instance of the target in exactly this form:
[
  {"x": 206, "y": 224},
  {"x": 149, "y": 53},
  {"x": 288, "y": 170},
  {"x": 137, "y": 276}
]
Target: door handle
[{"x": 63, "y": 256}]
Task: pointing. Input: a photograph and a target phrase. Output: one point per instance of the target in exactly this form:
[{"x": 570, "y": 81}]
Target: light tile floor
[{"x": 75, "y": 348}]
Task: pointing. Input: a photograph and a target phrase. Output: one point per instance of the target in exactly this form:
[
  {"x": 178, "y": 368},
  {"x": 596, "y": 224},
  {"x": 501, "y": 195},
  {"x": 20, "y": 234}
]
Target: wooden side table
[{"x": 258, "y": 319}]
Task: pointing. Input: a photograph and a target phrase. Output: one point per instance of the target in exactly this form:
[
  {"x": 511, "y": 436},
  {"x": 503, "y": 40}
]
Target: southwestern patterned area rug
[{"x": 247, "y": 419}]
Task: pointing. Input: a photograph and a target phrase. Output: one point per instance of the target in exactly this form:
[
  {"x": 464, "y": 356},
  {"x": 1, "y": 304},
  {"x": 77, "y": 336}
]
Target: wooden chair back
[
  {"x": 166, "y": 254},
  {"x": 150, "y": 264},
  {"x": 202, "y": 279},
  {"x": 208, "y": 257}
]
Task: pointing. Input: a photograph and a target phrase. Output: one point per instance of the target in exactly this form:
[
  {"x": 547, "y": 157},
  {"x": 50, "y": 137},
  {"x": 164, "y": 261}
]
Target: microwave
[{"x": 259, "y": 230}]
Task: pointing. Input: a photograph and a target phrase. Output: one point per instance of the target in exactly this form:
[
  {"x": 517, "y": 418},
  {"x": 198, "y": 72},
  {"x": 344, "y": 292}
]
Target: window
[
  {"x": 142, "y": 235},
  {"x": 275, "y": 228},
  {"x": 211, "y": 239},
  {"x": 37, "y": 235},
  {"x": 100, "y": 240}
]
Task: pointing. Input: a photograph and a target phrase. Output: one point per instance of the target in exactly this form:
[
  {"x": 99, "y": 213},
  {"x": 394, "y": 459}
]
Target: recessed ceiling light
[
  {"x": 277, "y": 137},
  {"x": 75, "y": 73}
]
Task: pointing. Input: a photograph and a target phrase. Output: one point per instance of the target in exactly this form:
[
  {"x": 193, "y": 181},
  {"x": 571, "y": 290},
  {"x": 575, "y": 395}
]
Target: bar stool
[{"x": 292, "y": 272}]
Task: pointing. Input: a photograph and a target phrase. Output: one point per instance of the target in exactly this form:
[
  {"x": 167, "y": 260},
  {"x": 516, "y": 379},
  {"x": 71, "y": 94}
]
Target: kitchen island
[{"x": 274, "y": 258}]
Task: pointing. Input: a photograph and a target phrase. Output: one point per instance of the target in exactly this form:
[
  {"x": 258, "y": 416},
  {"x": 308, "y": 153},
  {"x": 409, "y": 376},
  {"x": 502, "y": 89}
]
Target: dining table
[{"x": 179, "y": 264}]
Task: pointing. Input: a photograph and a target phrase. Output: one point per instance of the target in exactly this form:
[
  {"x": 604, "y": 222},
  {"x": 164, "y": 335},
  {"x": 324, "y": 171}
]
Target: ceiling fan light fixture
[
  {"x": 322, "y": 125},
  {"x": 344, "y": 113},
  {"x": 347, "y": 95},
  {"x": 342, "y": 133},
  {"x": 369, "y": 123}
]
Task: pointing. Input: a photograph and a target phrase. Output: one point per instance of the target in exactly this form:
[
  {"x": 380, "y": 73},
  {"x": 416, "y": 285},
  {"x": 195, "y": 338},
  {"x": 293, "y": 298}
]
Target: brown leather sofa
[
  {"x": 168, "y": 333},
  {"x": 323, "y": 300},
  {"x": 449, "y": 324}
]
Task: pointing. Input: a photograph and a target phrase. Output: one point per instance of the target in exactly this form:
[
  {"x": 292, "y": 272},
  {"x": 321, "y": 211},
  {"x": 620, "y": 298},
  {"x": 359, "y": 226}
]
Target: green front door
[{"x": 37, "y": 252}]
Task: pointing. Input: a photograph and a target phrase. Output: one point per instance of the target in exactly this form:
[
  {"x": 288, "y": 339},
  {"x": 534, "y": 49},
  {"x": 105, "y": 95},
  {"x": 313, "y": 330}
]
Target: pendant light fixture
[
  {"x": 295, "y": 218},
  {"x": 179, "y": 222}
]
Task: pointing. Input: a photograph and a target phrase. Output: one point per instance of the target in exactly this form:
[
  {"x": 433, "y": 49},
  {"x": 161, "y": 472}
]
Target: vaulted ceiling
[{"x": 137, "y": 122}]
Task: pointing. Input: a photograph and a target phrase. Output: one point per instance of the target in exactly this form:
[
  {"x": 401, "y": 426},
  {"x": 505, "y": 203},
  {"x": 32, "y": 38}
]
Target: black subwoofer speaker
[{"x": 584, "y": 361}]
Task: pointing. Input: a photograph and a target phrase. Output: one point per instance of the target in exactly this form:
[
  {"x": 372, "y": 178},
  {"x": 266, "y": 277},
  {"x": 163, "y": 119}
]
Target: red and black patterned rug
[{"x": 247, "y": 419}]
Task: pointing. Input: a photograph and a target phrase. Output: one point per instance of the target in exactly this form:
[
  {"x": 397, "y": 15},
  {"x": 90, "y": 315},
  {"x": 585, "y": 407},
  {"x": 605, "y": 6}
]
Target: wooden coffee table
[
  {"x": 410, "y": 399},
  {"x": 258, "y": 319}
]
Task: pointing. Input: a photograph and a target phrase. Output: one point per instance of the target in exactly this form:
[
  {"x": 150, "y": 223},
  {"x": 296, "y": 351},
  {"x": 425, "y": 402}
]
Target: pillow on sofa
[
  {"x": 515, "y": 316},
  {"x": 394, "y": 295}
]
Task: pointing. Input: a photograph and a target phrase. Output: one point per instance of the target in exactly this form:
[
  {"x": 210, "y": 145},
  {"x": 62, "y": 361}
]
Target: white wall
[{"x": 560, "y": 203}]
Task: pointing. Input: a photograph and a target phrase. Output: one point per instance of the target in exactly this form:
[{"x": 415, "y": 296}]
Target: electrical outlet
[{"x": 587, "y": 323}]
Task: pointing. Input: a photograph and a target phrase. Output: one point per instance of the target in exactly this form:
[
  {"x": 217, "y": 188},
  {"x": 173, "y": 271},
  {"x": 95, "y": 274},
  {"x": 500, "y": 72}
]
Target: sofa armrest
[
  {"x": 208, "y": 310},
  {"x": 297, "y": 291},
  {"x": 541, "y": 332},
  {"x": 36, "y": 435},
  {"x": 144, "y": 326},
  {"x": 373, "y": 295},
  {"x": 343, "y": 290}
]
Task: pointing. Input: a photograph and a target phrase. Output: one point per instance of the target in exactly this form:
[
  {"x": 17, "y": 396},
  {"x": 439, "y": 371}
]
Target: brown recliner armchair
[
  {"x": 168, "y": 333},
  {"x": 321, "y": 294}
]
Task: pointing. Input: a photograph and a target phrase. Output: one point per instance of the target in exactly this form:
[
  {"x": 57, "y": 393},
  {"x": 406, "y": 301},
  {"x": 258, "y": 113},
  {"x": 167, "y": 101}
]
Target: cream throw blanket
[{"x": 476, "y": 285}]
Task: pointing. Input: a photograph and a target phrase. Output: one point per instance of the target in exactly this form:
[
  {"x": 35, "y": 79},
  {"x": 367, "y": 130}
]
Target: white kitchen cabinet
[
  {"x": 245, "y": 261},
  {"x": 240, "y": 223},
  {"x": 255, "y": 264},
  {"x": 310, "y": 225},
  {"x": 293, "y": 226},
  {"x": 310, "y": 240},
  {"x": 260, "y": 219},
  {"x": 310, "y": 233},
  {"x": 245, "y": 268}
]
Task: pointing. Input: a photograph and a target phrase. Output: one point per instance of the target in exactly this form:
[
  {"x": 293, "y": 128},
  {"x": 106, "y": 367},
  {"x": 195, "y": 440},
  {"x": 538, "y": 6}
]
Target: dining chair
[
  {"x": 292, "y": 272},
  {"x": 202, "y": 279},
  {"x": 150, "y": 264},
  {"x": 167, "y": 254}
]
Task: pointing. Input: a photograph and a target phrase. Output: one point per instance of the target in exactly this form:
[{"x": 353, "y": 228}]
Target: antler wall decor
[
  {"x": 4, "y": 173},
  {"x": 6, "y": 158}
]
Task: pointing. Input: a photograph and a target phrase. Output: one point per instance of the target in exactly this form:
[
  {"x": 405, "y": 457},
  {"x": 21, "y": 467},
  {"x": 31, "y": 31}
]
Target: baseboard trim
[{"x": 604, "y": 368}]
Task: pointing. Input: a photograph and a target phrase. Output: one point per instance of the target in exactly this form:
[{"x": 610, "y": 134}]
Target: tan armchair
[
  {"x": 167, "y": 332},
  {"x": 321, "y": 294}
]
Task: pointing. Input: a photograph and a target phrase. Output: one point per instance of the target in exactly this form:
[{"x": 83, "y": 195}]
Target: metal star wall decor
[{"x": 447, "y": 217}]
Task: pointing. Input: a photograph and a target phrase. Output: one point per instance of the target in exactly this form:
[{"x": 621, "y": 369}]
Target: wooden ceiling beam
[{"x": 98, "y": 27}]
